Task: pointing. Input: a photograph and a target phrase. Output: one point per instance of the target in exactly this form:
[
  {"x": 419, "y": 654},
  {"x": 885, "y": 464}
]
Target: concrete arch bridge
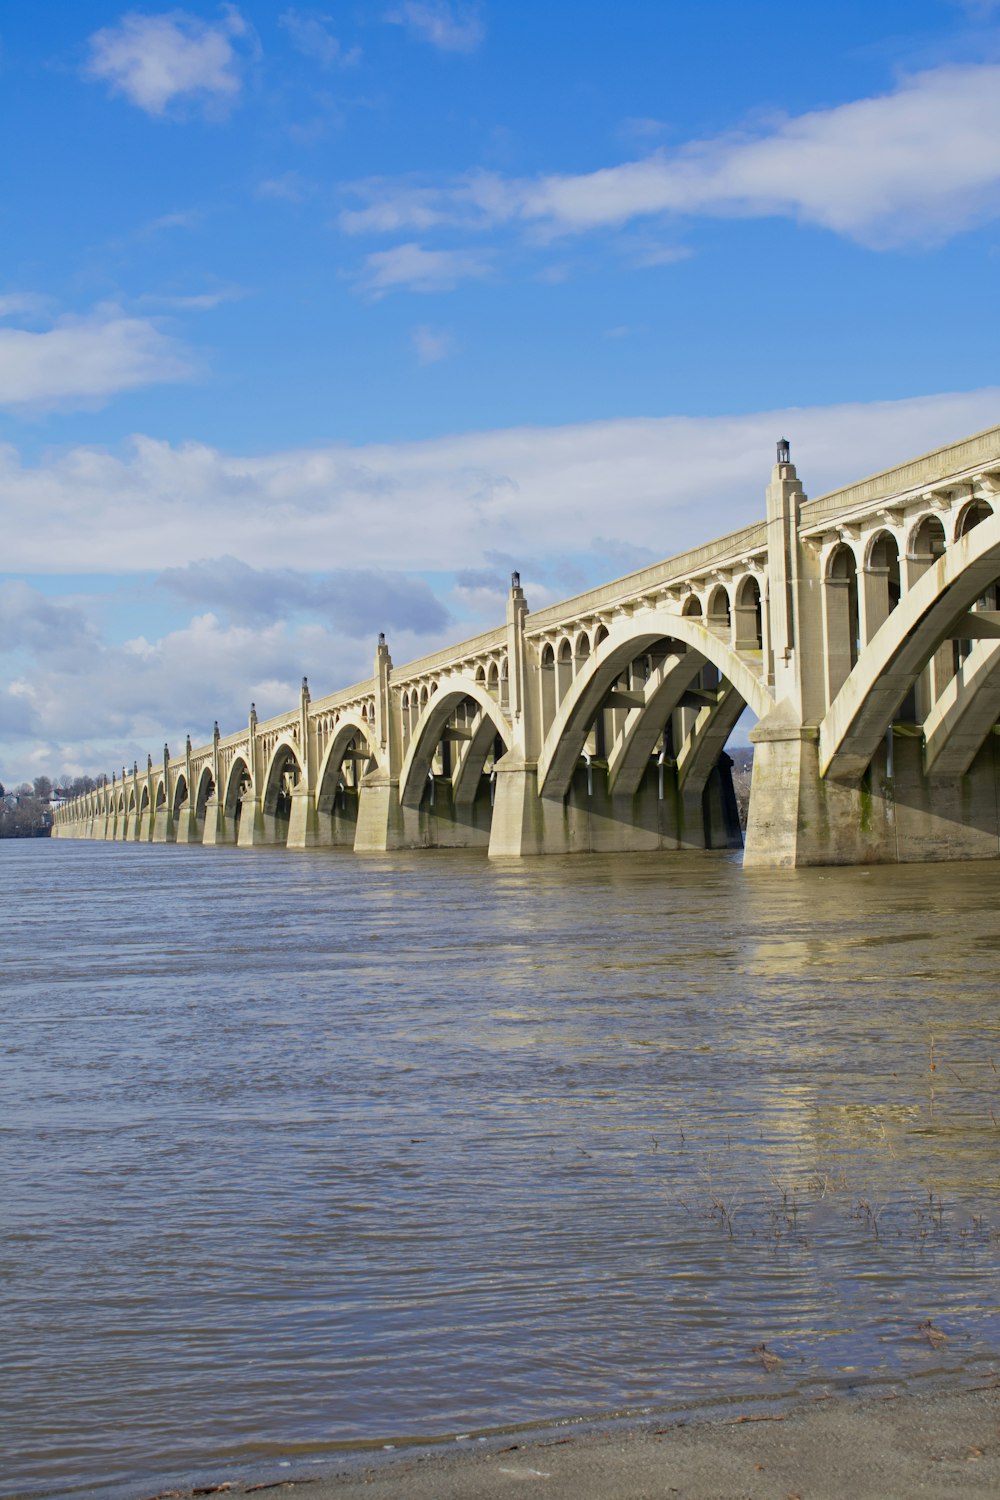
[{"x": 862, "y": 630}]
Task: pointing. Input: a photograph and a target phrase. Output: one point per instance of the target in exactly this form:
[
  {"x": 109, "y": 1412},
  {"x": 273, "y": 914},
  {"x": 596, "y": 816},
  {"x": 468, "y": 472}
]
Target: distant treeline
[{"x": 26, "y": 810}]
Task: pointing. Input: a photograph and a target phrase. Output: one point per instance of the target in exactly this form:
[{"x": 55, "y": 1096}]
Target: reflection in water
[{"x": 306, "y": 1151}]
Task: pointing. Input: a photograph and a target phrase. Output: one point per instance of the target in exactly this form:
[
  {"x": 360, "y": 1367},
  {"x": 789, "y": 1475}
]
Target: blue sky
[{"x": 316, "y": 320}]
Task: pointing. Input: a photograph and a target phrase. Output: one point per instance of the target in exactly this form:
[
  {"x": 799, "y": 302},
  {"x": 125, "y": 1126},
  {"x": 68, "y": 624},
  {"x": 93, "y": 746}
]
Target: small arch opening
[
  {"x": 927, "y": 540},
  {"x": 973, "y": 515}
]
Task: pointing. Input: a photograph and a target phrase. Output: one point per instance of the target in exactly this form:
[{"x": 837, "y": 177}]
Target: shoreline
[{"x": 858, "y": 1446}]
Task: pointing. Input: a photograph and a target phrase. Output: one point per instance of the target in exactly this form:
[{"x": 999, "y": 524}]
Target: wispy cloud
[
  {"x": 155, "y": 60},
  {"x": 432, "y": 344},
  {"x": 24, "y": 304},
  {"x": 290, "y": 187},
  {"x": 447, "y": 26},
  {"x": 918, "y": 164},
  {"x": 442, "y": 503},
  {"x": 196, "y": 301},
  {"x": 310, "y": 34},
  {"x": 82, "y": 361},
  {"x": 412, "y": 267}
]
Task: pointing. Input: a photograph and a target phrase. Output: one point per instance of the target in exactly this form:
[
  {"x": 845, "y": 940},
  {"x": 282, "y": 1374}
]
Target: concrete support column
[
  {"x": 186, "y": 824},
  {"x": 518, "y": 825},
  {"x": 380, "y": 817},
  {"x": 164, "y": 831},
  {"x": 216, "y": 829},
  {"x": 799, "y": 818},
  {"x": 745, "y": 628},
  {"x": 838, "y": 657},
  {"x": 303, "y": 824},
  {"x": 874, "y": 601},
  {"x": 253, "y": 829}
]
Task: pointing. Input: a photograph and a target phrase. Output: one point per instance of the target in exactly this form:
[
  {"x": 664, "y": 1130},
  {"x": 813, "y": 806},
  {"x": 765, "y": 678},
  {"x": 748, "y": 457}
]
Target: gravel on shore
[{"x": 936, "y": 1447}]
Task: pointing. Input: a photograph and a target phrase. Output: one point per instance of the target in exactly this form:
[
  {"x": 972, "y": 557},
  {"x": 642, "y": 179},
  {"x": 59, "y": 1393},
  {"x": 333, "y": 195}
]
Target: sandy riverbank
[{"x": 937, "y": 1447}]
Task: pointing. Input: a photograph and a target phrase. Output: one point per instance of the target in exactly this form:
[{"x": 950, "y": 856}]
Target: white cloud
[
  {"x": 310, "y": 34},
  {"x": 447, "y": 503},
  {"x": 553, "y": 502},
  {"x": 432, "y": 344},
  {"x": 90, "y": 705},
  {"x": 448, "y": 26},
  {"x": 82, "y": 361},
  {"x": 920, "y": 163},
  {"x": 412, "y": 267},
  {"x": 155, "y": 60},
  {"x": 197, "y": 301},
  {"x": 27, "y": 304},
  {"x": 290, "y": 187},
  {"x": 477, "y": 201}
]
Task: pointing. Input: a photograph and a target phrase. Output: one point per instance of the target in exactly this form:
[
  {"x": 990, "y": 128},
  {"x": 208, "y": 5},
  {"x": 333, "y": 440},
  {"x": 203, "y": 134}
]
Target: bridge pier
[
  {"x": 303, "y": 821},
  {"x": 894, "y": 814},
  {"x": 218, "y": 829},
  {"x": 186, "y": 829},
  {"x": 380, "y": 819},
  {"x": 257, "y": 827},
  {"x": 163, "y": 827},
  {"x": 518, "y": 826}
]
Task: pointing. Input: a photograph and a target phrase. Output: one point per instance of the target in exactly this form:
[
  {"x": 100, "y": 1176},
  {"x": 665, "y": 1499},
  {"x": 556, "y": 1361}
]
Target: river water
[{"x": 303, "y": 1152}]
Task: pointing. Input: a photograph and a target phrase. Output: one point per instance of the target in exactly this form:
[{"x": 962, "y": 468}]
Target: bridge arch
[
  {"x": 427, "y": 734},
  {"x": 720, "y": 612},
  {"x": 964, "y": 712},
  {"x": 180, "y": 794},
  {"x": 204, "y": 790},
  {"x": 927, "y": 540},
  {"x": 238, "y": 781},
  {"x": 926, "y": 617},
  {"x": 275, "y": 799},
  {"x": 141, "y": 830},
  {"x": 971, "y": 514},
  {"x": 626, "y": 640},
  {"x": 352, "y": 740}
]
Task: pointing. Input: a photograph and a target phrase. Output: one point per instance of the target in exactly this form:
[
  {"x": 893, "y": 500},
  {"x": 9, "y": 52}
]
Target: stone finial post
[
  {"x": 256, "y": 772},
  {"x": 784, "y": 499},
  {"x": 383, "y": 675},
  {"x": 519, "y": 700},
  {"x": 306, "y": 740}
]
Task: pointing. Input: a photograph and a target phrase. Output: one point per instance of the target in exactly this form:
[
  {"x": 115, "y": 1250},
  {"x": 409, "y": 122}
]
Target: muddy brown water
[{"x": 302, "y": 1152}]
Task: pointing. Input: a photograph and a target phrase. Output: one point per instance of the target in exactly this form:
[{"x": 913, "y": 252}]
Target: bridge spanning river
[{"x": 862, "y": 629}]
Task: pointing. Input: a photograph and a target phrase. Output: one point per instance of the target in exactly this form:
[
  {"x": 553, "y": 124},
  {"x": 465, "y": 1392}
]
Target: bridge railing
[
  {"x": 633, "y": 586},
  {"x": 972, "y": 453}
]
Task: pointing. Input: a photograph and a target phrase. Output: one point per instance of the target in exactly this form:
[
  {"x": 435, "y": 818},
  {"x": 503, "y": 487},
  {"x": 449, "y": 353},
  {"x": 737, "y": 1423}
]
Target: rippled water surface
[{"x": 301, "y": 1151}]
